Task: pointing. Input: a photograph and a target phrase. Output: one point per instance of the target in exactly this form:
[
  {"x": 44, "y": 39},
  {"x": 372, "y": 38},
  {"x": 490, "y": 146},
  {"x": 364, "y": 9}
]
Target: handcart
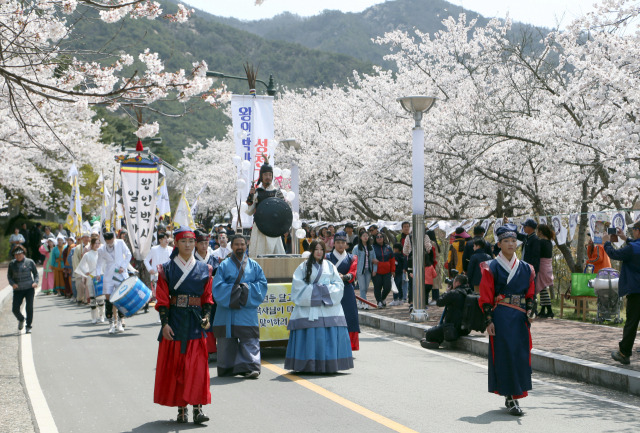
[{"x": 606, "y": 287}]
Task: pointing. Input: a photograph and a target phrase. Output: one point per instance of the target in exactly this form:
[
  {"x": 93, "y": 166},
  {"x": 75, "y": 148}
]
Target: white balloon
[
  {"x": 286, "y": 173},
  {"x": 306, "y": 254},
  {"x": 243, "y": 207},
  {"x": 301, "y": 233},
  {"x": 291, "y": 196},
  {"x": 236, "y": 160},
  {"x": 296, "y": 224},
  {"x": 241, "y": 183},
  {"x": 277, "y": 172},
  {"x": 246, "y": 165}
]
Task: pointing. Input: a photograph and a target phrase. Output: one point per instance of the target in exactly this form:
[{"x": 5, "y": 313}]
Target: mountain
[
  {"x": 224, "y": 48},
  {"x": 351, "y": 33}
]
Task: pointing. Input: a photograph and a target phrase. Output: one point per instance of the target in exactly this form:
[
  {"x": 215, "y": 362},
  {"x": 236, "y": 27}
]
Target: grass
[{"x": 570, "y": 314}]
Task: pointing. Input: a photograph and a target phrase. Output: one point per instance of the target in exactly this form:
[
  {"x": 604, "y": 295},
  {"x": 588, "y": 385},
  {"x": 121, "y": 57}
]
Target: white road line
[
  {"x": 39, "y": 405},
  {"x": 475, "y": 364}
]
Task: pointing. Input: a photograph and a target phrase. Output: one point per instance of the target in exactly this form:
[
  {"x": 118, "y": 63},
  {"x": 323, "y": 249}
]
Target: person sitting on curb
[
  {"x": 629, "y": 285},
  {"x": 450, "y": 328}
]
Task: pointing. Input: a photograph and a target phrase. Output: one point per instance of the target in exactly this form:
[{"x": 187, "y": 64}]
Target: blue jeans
[{"x": 364, "y": 278}]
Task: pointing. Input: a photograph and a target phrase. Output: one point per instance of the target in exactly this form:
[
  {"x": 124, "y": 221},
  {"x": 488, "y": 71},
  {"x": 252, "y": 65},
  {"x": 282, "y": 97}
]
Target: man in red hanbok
[{"x": 184, "y": 302}]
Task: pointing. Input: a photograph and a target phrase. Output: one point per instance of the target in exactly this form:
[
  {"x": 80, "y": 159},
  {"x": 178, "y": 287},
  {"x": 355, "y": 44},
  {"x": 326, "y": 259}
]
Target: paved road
[{"x": 97, "y": 382}]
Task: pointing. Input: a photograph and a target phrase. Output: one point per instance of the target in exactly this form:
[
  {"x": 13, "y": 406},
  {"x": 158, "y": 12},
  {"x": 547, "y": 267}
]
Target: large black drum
[{"x": 273, "y": 217}]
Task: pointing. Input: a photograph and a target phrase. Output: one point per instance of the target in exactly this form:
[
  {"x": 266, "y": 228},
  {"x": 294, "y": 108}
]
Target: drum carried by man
[{"x": 272, "y": 215}]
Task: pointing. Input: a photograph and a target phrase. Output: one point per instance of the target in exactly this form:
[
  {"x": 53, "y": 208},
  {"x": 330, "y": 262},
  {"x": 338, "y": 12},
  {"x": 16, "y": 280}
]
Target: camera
[
  {"x": 612, "y": 231},
  {"x": 453, "y": 273}
]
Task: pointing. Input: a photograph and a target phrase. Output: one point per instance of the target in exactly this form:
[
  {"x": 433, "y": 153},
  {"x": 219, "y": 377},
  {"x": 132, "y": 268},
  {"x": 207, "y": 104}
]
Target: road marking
[
  {"x": 338, "y": 399},
  {"x": 542, "y": 382},
  {"x": 39, "y": 406}
]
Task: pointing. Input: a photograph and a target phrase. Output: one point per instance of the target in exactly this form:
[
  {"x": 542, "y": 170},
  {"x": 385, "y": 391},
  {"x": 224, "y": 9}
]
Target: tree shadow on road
[
  {"x": 167, "y": 426},
  {"x": 105, "y": 335}
]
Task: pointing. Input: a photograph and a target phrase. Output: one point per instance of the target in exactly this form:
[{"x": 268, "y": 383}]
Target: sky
[{"x": 545, "y": 13}]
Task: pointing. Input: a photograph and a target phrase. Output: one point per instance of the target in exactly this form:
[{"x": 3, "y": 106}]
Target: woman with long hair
[
  {"x": 383, "y": 270},
  {"x": 544, "y": 279},
  {"x": 364, "y": 252},
  {"x": 318, "y": 336}
]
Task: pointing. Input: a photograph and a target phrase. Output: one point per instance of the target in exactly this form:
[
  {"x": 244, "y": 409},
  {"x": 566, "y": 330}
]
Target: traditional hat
[
  {"x": 506, "y": 231},
  {"x": 340, "y": 236},
  {"x": 201, "y": 236},
  {"x": 265, "y": 168},
  {"x": 60, "y": 236},
  {"x": 183, "y": 232}
]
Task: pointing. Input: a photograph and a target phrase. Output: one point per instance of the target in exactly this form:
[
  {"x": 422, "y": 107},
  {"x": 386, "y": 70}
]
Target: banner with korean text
[
  {"x": 274, "y": 313},
  {"x": 139, "y": 191},
  {"x": 252, "y": 118}
]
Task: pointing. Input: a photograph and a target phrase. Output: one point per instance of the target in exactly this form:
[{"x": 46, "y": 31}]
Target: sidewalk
[{"x": 580, "y": 351}]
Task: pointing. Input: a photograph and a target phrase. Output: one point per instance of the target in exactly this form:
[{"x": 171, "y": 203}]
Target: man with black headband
[
  {"x": 184, "y": 302},
  {"x": 113, "y": 260},
  {"x": 260, "y": 243},
  {"x": 506, "y": 297}
]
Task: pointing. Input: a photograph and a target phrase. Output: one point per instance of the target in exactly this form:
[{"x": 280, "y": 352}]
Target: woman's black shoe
[
  {"x": 183, "y": 414},
  {"x": 198, "y": 416}
]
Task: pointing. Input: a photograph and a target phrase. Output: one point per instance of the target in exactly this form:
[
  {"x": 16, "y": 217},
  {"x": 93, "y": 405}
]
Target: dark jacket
[
  {"x": 454, "y": 301},
  {"x": 468, "y": 251},
  {"x": 23, "y": 273},
  {"x": 473, "y": 273},
  {"x": 531, "y": 248},
  {"x": 629, "y": 255}
]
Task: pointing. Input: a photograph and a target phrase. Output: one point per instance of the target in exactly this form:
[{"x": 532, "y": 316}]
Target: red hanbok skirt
[{"x": 182, "y": 378}]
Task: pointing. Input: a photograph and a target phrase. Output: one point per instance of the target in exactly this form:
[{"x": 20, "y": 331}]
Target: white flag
[
  {"x": 194, "y": 208},
  {"x": 182, "y": 217},
  {"x": 162, "y": 197},
  {"x": 560, "y": 229},
  {"x": 573, "y": 224}
]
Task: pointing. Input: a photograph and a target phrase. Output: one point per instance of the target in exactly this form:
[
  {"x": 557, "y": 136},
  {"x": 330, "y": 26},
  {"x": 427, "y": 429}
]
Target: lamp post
[
  {"x": 271, "y": 88},
  {"x": 417, "y": 106},
  {"x": 292, "y": 144}
]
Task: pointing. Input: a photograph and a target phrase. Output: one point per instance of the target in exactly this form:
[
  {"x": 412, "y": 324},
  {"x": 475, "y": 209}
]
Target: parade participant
[
  {"x": 67, "y": 269},
  {"x": 113, "y": 261},
  {"x": 347, "y": 266},
  {"x": 506, "y": 297},
  {"x": 318, "y": 336},
  {"x": 223, "y": 250},
  {"x": 58, "y": 265},
  {"x": 184, "y": 303},
  {"x": 158, "y": 255},
  {"x": 47, "y": 271},
  {"x": 204, "y": 254},
  {"x": 239, "y": 287},
  {"x": 82, "y": 296},
  {"x": 260, "y": 243},
  {"x": 23, "y": 278},
  {"x": 86, "y": 270}
]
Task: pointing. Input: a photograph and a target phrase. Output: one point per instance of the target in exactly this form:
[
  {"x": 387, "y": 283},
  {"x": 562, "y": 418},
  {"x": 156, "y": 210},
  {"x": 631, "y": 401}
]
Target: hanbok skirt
[
  {"x": 58, "y": 279},
  {"x": 47, "y": 281},
  {"x": 319, "y": 350},
  {"x": 544, "y": 278},
  {"x": 182, "y": 378}
]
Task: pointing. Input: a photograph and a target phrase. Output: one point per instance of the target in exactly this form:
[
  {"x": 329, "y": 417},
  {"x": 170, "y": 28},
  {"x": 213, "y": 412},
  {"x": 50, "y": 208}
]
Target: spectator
[
  {"x": 431, "y": 250},
  {"x": 326, "y": 236},
  {"x": 450, "y": 329},
  {"x": 384, "y": 269},
  {"x": 596, "y": 256},
  {"x": 544, "y": 277},
  {"x": 401, "y": 266},
  {"x": 479, "y": 255},
  {"x": 363, "y": 251},
  {"x": 352, "y": 238},
  {"x": 373, "y": 231},
  {"x": 16, "y": 239},
  {"x": 47, "y": 233},
  {"x": 23, "y": 277},
  {"x": 430, "y": 260},
  {"x": 62, "y": 230},
  {"x": 530, "y": 244},
  {"x": 456, "y": 250},
  {"x": 406, "y": 229},
  {"x": 286, "y": 242},
  {"x": 35, "y": 240},
  {"x": 478, "y": 233},
  {"x": 629, "y": 286}
]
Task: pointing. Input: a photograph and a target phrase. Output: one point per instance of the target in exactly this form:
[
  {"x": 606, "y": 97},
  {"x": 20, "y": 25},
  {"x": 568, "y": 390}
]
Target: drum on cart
[
  {"x": 130, "y": 296},
  {"x": 98, "y": 288}
]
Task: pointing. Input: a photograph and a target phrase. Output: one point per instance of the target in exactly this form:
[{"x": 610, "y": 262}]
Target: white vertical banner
[
  {"x": 252, "y": 118},
  {"x": 162, "y": 196},
  {"x": 573, "y": 224},
  {"x": 543, "y": 220},
  {"x": 559, "y": 228},
  {"x": 485, "y": 224},
  {"x": 139, "y": 190},
  {"x": 636, "y": 215},
  {"x": 618, "y": 220}
]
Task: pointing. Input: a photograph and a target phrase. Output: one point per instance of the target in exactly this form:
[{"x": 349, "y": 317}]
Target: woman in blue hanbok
[
  {"x": 318, "y": 338},
  {"x": 507, "y": 289}
]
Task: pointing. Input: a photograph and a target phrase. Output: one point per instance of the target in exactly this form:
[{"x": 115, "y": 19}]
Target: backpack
[{"x": 472, "y": 315}]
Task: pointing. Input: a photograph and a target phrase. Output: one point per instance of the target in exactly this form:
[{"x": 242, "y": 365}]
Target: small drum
[
  {"x": 130, "y": 296},
  {"x": 97, "y": 286}
]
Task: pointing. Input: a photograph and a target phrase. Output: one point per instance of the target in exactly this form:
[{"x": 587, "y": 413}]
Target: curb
[
  {"x": 594, "y": 373},
  {"x": 4, "y": 294}
]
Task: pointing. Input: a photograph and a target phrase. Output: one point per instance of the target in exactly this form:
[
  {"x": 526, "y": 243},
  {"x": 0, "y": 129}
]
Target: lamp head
[{"x": 417, "y": 105}]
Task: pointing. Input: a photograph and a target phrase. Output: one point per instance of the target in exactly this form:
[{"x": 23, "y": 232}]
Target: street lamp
[
  {"x": 292, "y": 144},
  {"x": 417, "y": 106},
  {"x": 271, "y": 88}
]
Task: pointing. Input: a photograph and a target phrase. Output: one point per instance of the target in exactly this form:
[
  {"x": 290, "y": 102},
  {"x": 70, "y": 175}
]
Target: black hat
[
  {"x": 265, "y": 168},
  {"x": 530, "y": 223}
]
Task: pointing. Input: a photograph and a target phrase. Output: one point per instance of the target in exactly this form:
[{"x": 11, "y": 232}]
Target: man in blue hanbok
[
  {"x": 239, "y": 287},
  {"x": 347, "y": 265},
  {"x": 506, "y": 297}
]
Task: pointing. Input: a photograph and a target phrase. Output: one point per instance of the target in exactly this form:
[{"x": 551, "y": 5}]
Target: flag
[
  {"x": 194, "y": 209},
  {"x": 162, "y": 196},
  {"x": 105, "y": 211},
  {"x": 74, "y": 217},
  {"x": 182, "y": 217}
]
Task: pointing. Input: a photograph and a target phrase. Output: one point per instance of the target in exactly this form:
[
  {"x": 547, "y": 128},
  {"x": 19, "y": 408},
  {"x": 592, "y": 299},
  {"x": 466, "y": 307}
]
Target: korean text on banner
[
  {"x": 139, "y": 189},
  {"x": 274, "y": 313},
  {"x": 252, "y": 118}
]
